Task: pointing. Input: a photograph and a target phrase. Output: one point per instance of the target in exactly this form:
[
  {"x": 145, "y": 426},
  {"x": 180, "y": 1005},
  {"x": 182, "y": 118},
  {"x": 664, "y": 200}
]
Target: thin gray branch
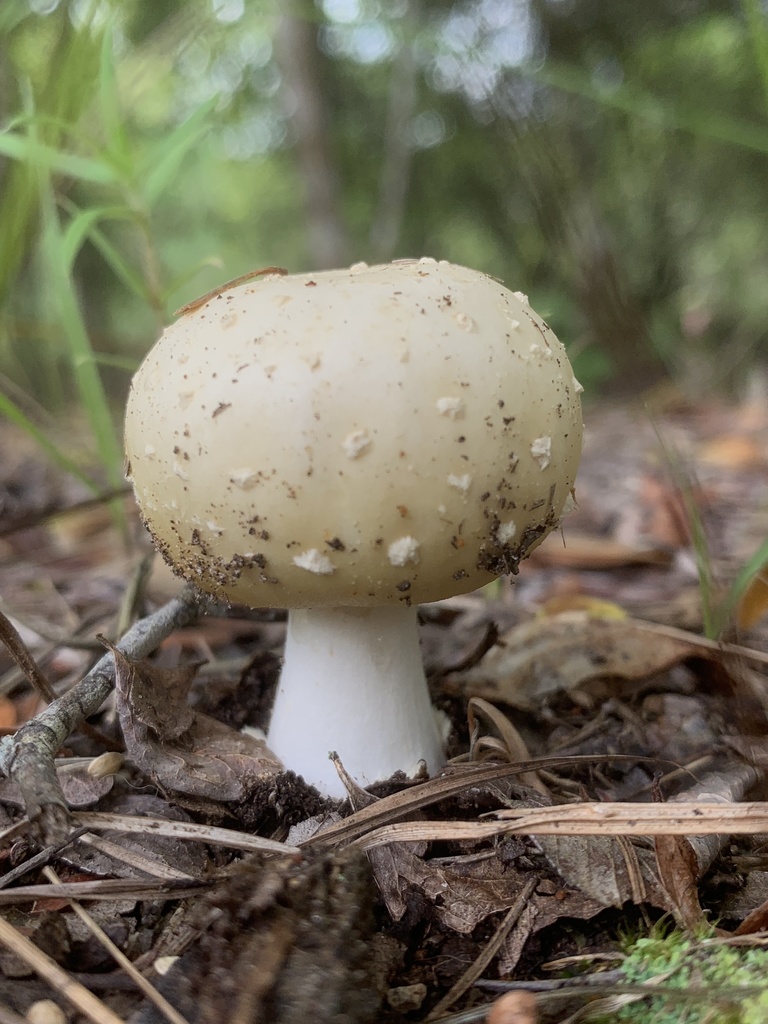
[{"x": 28, "y": 757}]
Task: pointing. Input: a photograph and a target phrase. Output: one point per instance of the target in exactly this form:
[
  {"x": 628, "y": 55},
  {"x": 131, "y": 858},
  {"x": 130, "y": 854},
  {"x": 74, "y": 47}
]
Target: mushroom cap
[{"x": 366, "y": 436}]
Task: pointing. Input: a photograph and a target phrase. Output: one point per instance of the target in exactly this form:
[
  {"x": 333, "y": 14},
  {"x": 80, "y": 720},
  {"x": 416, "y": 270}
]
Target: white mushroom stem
[{"x": 353, "y": 682}]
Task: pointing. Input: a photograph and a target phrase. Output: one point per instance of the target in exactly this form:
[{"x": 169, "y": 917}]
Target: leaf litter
[{"x": 610, "y": 771}]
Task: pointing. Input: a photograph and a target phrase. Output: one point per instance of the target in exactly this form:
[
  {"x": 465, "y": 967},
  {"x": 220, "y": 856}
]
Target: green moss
[{"x": 700, "y": 979}]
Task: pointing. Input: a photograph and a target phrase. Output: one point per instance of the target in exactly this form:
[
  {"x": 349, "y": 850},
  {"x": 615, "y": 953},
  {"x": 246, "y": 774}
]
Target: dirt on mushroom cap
[{"x": 385, "y": 434}]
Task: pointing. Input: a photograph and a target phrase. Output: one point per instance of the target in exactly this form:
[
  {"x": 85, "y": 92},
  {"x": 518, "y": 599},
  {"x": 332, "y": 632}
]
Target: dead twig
[
  {"x": 489, "y": 951},
  {"x": 58, "y": 978},
  {"x": 169, "y": 1012},
  {"x": 39, "y": 859},
  {"x": 18, "y": 651},
  {"x": 28, "y": 757}
]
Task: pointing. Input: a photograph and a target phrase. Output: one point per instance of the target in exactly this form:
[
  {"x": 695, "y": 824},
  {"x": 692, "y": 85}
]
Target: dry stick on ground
[
  {"x": 18, "y": 651},
  {"x": 487, "y": 954},
  {"x": 28, "y": 757},
  {"x": 47, "y": 968},
  {"x": 147, "y": 989}
]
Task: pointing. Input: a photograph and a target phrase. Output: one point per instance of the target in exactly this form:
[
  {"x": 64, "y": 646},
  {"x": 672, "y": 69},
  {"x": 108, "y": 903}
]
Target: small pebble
[
  {"x": 405, "y": 998},
  {"x": 45, "y": 1012},
  {"x": 106, "y": 764},
  {"x": 514, "y": 1008},
  {"x": 163, "y": 964}
]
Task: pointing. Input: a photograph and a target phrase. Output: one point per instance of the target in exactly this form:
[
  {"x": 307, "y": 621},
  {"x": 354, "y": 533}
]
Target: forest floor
[{"x": 584, "y": 685}]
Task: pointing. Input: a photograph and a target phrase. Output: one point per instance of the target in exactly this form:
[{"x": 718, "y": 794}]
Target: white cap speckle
[
  {"x": 314, "y": 561},
  {"x": 522, "y": 297},
  {"x": 461, "y": 483},
  {"x": 578, "y": 387},
  {"x": 403, "y": 550},
  {"x": 450, "y": 405},
  {"x": 149, "y": 451},
  {"x": 358, "y": 268},
  {"x": 179, "y": 471},
  {"x": 541, "y": 450},
  {"x": 464, "y": 321},
  {"x": 505, "y": 532},
  {"x": 244, "y": 478},
  {"x": 214, "y": 527},
  {"x": 355, "y": 443}
]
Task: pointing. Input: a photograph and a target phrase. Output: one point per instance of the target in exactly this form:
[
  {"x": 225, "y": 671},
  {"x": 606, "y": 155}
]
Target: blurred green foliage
[{"x": 609, "y": 159}]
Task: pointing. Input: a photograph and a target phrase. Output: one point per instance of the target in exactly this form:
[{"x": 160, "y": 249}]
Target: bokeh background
[{"x": 608, "y": 158}]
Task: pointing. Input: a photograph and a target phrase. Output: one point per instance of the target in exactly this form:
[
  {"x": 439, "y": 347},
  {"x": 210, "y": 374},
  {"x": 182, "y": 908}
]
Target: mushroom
[{"x": 349, "y": 444}]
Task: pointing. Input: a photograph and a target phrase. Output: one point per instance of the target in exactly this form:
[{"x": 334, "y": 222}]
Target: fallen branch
[{"x": 27, "y": 758}]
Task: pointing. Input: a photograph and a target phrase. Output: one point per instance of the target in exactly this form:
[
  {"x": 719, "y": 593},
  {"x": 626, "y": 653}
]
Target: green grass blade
[
  {"x": 738, "y": 587},
  {"x": 132, "y": 279},
  {"x": 182, "y": 279},
  {"x": 128, "y": 363},
  {"x": 19, "y": 147},
  {"x": 14, "y": 414},
  {"x": 112, "y": 121},
  {"x": 81, "y": 227},
  {"x": 160, "y": 166},
  {"x": 87, "y": 378},
  {"x": 699, "y": 542}
]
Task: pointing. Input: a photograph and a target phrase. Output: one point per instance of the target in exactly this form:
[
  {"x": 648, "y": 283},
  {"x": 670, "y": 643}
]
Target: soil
[{"x": 582, "y": 681}]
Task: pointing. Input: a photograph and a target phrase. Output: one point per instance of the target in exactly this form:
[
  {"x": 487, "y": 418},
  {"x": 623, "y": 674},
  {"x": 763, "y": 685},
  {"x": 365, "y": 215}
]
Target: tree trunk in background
[
  {"x": 396, "y": 165},
  {"x": 617, "y": 314},
  {"x": 298, "y": 59}
]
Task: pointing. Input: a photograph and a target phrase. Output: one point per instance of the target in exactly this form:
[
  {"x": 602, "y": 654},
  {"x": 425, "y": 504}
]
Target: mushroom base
[{"x": 353, "y": 682}]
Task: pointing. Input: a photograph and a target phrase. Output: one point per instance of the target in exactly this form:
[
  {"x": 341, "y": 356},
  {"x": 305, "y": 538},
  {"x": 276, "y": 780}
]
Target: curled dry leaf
[
  {"x": 205, "y": 758},
  {"x": 546, "y": 655},
  {"x": 79, "y": 787},
  {"x": 678, "y": 874},
  {"x": 158, "y": 696}
]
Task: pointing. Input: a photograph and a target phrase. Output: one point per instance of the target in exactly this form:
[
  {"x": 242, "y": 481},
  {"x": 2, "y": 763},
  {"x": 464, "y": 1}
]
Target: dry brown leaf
[
  {"x": 678, "y": 872},
  {"x": 607, "y": 871},
  {"x": 561, "y": 652},
  {"x": 754, "y": 601},
  {"x": 79, "y": 787},
  {"x": 584, "y": 551},
  {"x": 158, "y": 696},
  {"x": 205, "y": 759},
  {"x": 663, "y": 522},
  {"x": 596, "y": 607},
  {"x": 390, "y": 864},
  {"x": 462, "y": 895},
  {"x": 733, "y": 451},
  {"x": 8, "y": 715}
]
